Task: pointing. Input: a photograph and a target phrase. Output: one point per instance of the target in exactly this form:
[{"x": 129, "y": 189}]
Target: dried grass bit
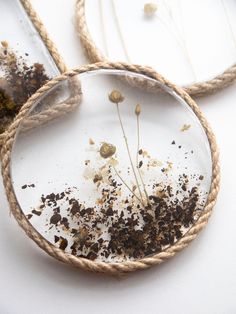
[
  {"x": 116, "y": 97},
  {"x": 185, "y": 127}
]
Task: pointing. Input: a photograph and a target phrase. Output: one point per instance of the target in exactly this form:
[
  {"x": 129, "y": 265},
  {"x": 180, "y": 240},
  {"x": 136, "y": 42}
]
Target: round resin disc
[{"x": 115, "y": 174}]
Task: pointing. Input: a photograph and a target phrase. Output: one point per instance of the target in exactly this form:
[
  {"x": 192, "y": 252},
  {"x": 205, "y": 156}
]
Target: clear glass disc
[{"x": 121, "y": 174}]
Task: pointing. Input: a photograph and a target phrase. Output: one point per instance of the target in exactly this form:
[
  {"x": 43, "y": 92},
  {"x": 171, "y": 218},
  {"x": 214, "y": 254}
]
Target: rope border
[
  {"x": 94, "y": 55},
  {"x": 36, "y": 21},
  {"x": 96, "y": 266}
]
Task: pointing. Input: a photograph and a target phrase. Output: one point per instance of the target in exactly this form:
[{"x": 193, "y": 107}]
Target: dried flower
[
  {"x": 137, "y": 109},
  {"x": 150, "y": 8},
  {"x": 116, "y": 97},
  {"x": 107, "y": 150}
]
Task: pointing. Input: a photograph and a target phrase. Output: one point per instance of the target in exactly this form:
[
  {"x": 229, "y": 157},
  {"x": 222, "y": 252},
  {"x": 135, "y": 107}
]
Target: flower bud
[
  {"x": 137, "y": 109},
  {"x": 116, "y": 97}
]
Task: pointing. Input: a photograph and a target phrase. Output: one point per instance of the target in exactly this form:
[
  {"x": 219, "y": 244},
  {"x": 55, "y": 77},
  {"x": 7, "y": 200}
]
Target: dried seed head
[
  {"x": 150, "y": 8},
  {"x": 107, "y": 150},
  {"x": 116, "y": 97},
  {"x": 137, "y": 109}
]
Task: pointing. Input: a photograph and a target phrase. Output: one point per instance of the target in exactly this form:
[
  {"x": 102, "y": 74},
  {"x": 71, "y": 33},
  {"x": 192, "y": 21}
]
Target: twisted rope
[
  {"x": 35, "y": 19},
  {"x": 94, "y": 55},
  {"x": 96, "y": 266}
]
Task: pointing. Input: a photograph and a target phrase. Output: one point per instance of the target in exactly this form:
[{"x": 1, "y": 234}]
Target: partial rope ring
[{"x": 94, "y": 55}]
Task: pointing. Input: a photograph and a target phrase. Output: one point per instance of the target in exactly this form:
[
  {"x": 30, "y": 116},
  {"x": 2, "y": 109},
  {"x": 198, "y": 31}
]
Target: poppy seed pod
[{"x": 116, "y": 97}]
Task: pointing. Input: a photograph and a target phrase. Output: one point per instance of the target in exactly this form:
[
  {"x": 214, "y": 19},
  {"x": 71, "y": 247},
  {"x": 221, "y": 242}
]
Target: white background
[{"x": 201, "y": 279}]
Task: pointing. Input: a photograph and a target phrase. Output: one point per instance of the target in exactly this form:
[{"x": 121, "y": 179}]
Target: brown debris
[{"x": 18, "y": 83}]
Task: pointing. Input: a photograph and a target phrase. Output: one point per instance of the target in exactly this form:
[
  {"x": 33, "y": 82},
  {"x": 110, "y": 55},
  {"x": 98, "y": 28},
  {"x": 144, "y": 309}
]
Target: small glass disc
[{"x": 120, "y": 174}]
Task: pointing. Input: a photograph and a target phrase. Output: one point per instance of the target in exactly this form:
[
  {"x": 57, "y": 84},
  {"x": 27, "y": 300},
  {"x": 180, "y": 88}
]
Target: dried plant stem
[
  {"x": 181, "y": 44},
  {"x": 229, "y": 23},
  {"x": 103, "y": 28},
  {"x": 120, "y": 31},
  {"x": 137, "y": 159},
  {"x": 185, "y": 47},
  {"x": 123, "y": 181},
  {"x": 129, "y": 154}
]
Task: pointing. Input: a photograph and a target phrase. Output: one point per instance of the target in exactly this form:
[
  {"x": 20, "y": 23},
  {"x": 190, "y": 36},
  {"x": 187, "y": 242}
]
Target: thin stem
[
  {"x": 123, "y": 181},
  {"x": 183, "y": 36},
  {"x": 229, "y": 23},
  {"x": 120, "y": 31},
  {"x": 137, "y": 159},
  {"x": 138, "y": 145},
  {"x": 127, "y": 147},
  {"x": 103, "y": 27},
  {"x": 181, "y": 44}
]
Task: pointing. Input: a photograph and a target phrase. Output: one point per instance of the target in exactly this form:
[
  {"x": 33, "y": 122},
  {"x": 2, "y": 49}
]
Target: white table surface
[{"x": 200, "y": 280}]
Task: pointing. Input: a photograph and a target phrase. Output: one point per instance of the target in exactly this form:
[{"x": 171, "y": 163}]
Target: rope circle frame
[
  {"x": 94, "y": 55},
  {"x": 83, "y": 263}
]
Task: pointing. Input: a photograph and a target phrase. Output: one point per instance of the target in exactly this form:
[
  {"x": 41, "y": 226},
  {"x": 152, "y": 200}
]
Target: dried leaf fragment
[{"x": 185, "y": 127}]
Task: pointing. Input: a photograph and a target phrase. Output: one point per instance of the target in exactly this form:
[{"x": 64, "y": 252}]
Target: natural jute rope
[
  {"x": 94, "y": 55},
  {"x": 44, "y": 35},
  {"x": 95, "y": 266}
]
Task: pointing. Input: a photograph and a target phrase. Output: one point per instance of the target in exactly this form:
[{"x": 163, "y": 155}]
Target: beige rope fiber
[
  {"x": 94, "y": 55},
  {"x": 35, "y": 19},
  {"x": 54, "y": 111},
  {"x": 95, "y": 266}
]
